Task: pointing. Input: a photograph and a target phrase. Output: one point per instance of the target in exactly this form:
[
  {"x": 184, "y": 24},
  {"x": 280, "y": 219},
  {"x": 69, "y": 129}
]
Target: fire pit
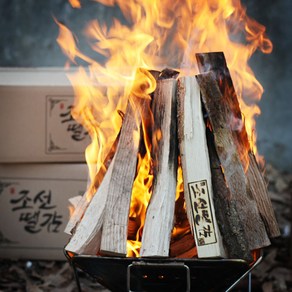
[{"x": 140, "y": 274}]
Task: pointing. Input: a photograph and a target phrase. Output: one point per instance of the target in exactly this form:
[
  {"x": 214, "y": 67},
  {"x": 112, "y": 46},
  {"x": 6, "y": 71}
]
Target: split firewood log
[
  {"x": 198, "y": 188},
  {"x": 258, "y": 189},
  {"x": 160, "y": 212},
  {"x": 219, "y": 114}
]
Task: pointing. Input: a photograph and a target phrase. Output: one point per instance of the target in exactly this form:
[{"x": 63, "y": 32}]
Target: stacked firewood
[{"x": 198, "y": 123}]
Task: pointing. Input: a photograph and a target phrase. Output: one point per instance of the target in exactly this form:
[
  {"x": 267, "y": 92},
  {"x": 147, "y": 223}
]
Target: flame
[
  {"x": 75, "y": 3},
  {"x": 141, "y": 194},
  {"x": 71, "y": 210},
  {"x": 158, "y": 34},
  {"x": 181, "y": 225}
]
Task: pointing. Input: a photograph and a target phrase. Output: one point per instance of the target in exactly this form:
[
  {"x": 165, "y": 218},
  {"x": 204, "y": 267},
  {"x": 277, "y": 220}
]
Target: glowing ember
[{"x": 159, "y": 34}]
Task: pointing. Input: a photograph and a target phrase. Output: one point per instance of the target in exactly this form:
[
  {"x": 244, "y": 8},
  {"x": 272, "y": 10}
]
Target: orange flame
[
  {"x": 71, "y": 210},
  {"x": 75, "y": 3},
  {"x": 158, "y": 34}
]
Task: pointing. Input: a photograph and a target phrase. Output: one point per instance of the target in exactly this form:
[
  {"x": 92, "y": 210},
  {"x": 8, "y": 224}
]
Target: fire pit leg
[
  {"x": 247, "y": 273},
  {"x": 249, "y": 282},
  {"x": 160, "y": 274},
  {"x": 72, "y": 264},
  {"x": 76, "y": 277}
]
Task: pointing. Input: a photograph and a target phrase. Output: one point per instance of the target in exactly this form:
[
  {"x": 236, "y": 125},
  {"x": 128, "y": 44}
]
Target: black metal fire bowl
[{"x": 163, "y": 274}]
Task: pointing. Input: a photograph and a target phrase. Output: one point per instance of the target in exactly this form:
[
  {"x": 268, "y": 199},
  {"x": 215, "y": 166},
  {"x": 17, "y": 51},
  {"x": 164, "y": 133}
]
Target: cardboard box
[
  {"x": 34, "y": 208},
  {"x": 35, "y": 120}
]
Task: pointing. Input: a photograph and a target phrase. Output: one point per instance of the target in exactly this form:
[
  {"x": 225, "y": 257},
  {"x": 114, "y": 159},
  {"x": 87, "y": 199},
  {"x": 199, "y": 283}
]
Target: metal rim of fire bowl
[{"x": 117, "y": 273}]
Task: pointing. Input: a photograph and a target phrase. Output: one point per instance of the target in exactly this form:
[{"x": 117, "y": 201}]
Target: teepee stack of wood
[{"x": 196, "y": 123}]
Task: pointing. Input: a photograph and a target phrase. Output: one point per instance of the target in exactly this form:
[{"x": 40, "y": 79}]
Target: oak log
[
  {"x": 219, "y": 114},
  {"x": 198, "y": 188},
  {"x": 217, "y": 63},
  {"x": 160, "y": 212}
]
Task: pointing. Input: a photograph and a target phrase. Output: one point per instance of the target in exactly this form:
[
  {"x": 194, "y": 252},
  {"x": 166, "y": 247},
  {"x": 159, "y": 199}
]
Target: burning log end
[
  {"x": 168, "y": 74},
  {"x": 182, "y": 245},
  {"x": 211, "y": 61},
  {"x": 216, "y": 63},
  {"x": 155, "y": 73},
  {"x": 133, "y": 227}
]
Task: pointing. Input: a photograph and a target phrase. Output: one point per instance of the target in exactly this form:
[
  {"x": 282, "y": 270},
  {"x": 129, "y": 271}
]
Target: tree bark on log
[
  {"x": 198, "y": 188},
  {"x": 259, "y": 189},
  {"x": 160, "y": 212},
  {"x": 219, "y": 115},
  {"x": 230, "y": 225},
  {"x": 217, "y": 63}
]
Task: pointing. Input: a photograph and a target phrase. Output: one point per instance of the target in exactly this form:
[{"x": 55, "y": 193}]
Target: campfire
[
  {"x": 173, "y": 156},
  {"x": 227, "y": 206}
]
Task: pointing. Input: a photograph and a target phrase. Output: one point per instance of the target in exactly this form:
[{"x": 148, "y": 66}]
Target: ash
[{"x": 274, "y": 273}]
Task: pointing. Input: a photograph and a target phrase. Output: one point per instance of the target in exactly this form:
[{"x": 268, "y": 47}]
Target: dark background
[{"x": 28, "y": 33}]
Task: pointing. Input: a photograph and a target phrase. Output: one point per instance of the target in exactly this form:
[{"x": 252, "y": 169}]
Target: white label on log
[{"x": 202, "y": 214}]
